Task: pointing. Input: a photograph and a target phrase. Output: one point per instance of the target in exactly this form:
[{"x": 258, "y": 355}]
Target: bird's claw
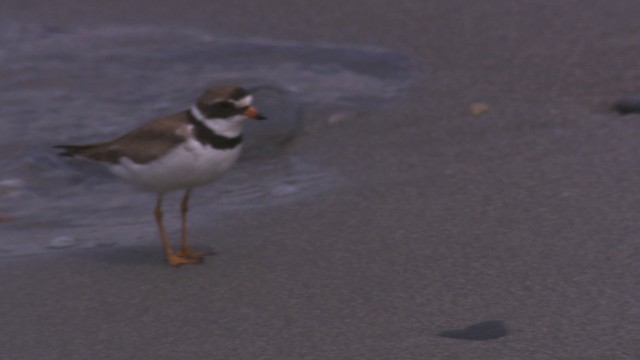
[
  {"x": 189, "y": 254},
  {"x": 177, "y": 260}
]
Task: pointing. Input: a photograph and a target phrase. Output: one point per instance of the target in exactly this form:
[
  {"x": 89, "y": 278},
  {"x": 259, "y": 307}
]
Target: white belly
[{"x": 189, "y": 165}]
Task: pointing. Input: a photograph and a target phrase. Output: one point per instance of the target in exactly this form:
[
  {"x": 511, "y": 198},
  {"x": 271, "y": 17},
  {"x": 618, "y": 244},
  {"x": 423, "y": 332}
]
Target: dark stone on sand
[
  {"x": 486, "y": 330},
  {"x": 627, "y": 105}
]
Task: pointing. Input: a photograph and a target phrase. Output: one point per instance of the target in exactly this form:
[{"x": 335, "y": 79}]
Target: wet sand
[{"x": 527, "y": 213}]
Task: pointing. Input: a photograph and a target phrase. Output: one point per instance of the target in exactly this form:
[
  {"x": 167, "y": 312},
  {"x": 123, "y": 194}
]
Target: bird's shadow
[{"x": 139, "y": 255}]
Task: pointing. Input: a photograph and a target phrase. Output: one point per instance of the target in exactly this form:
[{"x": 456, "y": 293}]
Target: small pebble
[
  {"x": 627, "y": 105},
  {"x": 486, "y": 330},
  {"x": 62, "y": 242},
  {"x": 478, "y": 108},
  {"x": 338, "y": 118}
]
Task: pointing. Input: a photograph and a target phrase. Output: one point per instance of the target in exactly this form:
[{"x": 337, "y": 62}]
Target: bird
[{"x": 182, "y": 151}]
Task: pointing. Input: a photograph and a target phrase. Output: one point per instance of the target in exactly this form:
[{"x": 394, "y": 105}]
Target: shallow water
[{"x": 66, "y": 86}]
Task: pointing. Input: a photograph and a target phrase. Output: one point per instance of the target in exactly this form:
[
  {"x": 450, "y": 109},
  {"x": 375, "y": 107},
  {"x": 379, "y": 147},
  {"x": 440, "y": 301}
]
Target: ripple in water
[{"x": 80, "y": 85}]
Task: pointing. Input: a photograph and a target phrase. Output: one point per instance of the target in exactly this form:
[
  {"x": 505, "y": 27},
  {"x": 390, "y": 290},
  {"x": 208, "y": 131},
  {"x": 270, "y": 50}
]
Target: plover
[{"x": 182, "y": 151}]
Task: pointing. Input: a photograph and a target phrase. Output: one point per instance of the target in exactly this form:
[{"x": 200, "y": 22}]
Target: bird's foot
[
  {"x": 177, "y": 260},
  {"x": 190, "y": 254}
]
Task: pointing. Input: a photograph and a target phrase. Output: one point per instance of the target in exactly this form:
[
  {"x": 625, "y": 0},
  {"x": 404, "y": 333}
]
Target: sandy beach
[{"x": 526, "y": 213}]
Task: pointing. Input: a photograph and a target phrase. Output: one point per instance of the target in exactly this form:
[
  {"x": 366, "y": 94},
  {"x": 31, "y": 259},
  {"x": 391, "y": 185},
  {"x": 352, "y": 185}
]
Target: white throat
[{"x": 229, "y": 127}]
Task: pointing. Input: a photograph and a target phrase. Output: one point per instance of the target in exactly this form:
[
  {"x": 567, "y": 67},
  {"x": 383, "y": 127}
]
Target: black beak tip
[{"x": 260, "y": 117}]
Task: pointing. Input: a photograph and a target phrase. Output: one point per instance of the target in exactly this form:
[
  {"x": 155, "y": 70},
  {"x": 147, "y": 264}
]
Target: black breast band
[{"x": 206, "y": 136}]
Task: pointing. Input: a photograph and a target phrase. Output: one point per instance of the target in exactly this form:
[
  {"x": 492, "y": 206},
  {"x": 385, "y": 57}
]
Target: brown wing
[{"x": 141, "y": 145}]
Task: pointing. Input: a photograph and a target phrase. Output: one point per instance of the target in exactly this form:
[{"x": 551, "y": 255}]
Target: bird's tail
[{"x": 73, "y": 150}]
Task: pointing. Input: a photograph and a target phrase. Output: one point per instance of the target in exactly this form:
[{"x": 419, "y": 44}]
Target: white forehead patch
[{"x": 244, "y": 102}]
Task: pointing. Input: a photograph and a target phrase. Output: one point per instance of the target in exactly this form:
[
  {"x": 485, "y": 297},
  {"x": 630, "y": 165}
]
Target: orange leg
[
  {"x": 185, "y": 250},
  {"x": 172, "y": 258}
]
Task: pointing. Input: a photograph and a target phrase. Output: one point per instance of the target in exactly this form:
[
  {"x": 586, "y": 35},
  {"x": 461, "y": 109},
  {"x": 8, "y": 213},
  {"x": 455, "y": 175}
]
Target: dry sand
[{"x": 527, "y": 213}]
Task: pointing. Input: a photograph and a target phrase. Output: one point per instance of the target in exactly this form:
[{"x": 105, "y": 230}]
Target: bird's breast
[{"x": 189, "y": 165}]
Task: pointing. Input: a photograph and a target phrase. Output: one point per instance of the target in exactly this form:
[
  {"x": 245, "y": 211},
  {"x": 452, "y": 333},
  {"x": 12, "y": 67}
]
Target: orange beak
[{"x": 253, "y": 113}]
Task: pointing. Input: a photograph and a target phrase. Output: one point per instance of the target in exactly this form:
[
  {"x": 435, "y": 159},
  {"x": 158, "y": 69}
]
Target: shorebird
[{"x": 185, "y": 150}]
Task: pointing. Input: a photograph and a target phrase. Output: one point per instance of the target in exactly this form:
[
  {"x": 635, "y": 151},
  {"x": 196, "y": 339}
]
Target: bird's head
[{"x": 225, "y": 109}]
